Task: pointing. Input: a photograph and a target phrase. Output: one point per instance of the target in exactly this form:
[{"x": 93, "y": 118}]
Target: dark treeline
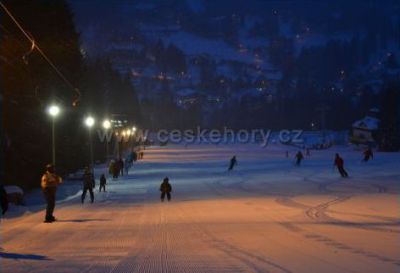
[{"x": 29, "y": 85}]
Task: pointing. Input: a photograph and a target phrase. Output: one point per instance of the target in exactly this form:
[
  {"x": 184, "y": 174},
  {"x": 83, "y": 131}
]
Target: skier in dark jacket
[
  {"x": 368, "y": 154},
  {"x": 115, "y": 170},
  {"x": 134, "y": 156},
  {"x": 4, "y": 200},
  {"x": 88, "y": 184},
  {"x": 232, "y": 163},
  {"x": 339, "y": 163},
  {"x": 165, "y": 189},
  {"x": 103, "y": 183},
  {"x": 299, "y": 158},
  {"x": 120, "y": 164}
]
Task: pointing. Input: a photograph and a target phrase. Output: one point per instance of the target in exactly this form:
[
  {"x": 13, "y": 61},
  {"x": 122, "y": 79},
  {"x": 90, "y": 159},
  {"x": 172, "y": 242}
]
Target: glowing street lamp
[
  {"x": 106, "y": 126},
  {"x": 89, "y": 122},
  {"x": 53, "y": 111}
]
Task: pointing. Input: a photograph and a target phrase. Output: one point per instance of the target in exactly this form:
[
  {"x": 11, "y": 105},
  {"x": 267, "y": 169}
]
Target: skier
[
  {"x": 120, "y": 164},
  {"x": 232, "y": 163},
  {"x": 49, "y": 185},
  {"x": 299, "y": 157},
  {"x": 4, "y": 199},
  {"x": 127, "y": 166},
  {"x": 339, "y": 163},
  {"x": 134, "y": 156},
  {"x": 368, "y": 155},
  {"x": 103, "y": 183},
  {"x": 111, "y": 167},
  {"x": 165, "y": 188},
  {"x": 115, "y": 169},
  {"x": 88, "y": 185}
]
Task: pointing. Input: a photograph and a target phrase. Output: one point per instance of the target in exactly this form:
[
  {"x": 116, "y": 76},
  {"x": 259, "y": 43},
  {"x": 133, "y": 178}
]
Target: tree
[
  {"x": 29, "y": 84},
  {"x": 390, "y": 120}
]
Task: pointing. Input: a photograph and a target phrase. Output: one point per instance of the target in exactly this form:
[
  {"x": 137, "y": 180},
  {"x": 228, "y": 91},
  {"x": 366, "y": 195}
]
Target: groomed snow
[{"x": 265, "y": 216}]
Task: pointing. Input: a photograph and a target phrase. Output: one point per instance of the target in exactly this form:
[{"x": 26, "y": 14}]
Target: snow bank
[{"x": 13, "y": 189}]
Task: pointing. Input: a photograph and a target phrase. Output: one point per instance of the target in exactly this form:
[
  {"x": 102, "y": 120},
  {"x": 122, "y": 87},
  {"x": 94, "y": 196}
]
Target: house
[{"x": 364, "y": 130}]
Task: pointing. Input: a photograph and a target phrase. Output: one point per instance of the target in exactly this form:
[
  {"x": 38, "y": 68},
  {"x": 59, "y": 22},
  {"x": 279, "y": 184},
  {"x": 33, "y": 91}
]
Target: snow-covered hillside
[{"x": 253, "y": 58}]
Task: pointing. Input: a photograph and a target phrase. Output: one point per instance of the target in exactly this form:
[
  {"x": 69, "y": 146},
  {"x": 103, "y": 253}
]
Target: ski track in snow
[{"x": 264, "y": 216}]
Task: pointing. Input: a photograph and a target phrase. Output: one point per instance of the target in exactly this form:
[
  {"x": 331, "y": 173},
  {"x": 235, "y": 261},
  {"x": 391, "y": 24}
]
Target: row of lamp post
[{"x": 54, "y": 111}]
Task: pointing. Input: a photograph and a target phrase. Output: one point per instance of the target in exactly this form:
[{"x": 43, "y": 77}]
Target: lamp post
[
  {"x": 89, "y": 122},
  {"x": 53, "y": 111},
  {"x": 106, "y": 126},
  {"x": 134, "y": 140}
]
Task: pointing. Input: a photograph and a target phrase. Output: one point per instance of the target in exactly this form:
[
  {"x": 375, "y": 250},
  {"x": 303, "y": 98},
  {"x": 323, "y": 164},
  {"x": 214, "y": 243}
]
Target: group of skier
[
  {"x": 50, "y": 180},
  {"x": 119, "y": 166},
  {"x": 338, "y": 161},
  {"x": 299, "y": 157},
  {"x": 116, "y": 168}
]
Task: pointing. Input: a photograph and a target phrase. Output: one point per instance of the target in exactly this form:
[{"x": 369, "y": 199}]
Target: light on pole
[
  {"x": 89, "y": 122},
  {"x": 53, "y": 111},
  {"x": 106, "y": 126}
]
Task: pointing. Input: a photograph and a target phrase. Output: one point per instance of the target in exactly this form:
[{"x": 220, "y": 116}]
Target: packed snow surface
[{"x": 266, "y": 215}]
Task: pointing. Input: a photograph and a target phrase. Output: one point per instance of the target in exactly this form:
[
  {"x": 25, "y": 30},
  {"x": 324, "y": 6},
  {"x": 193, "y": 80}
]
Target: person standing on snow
[
  {"x": 88, "y": 185},
  {"x": 49, "y": 184},
  {"x": 368, "y": 155},
  {"x": 103, "y": 183},
  {"x": 127, "y": 166},
  {"x": 165, "y": 189},
  {"x": 111, "y": 167},
  {"x": 134, "y": 156},
  {"x": 120, "y": 164},
  {"x": 232, "y": 163},
  {"x": 299, "y": 157},
  {"x": 116, "y": 170},
  {"x": 339, "y": 163},
  {"x": 4, "y": 199}
]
